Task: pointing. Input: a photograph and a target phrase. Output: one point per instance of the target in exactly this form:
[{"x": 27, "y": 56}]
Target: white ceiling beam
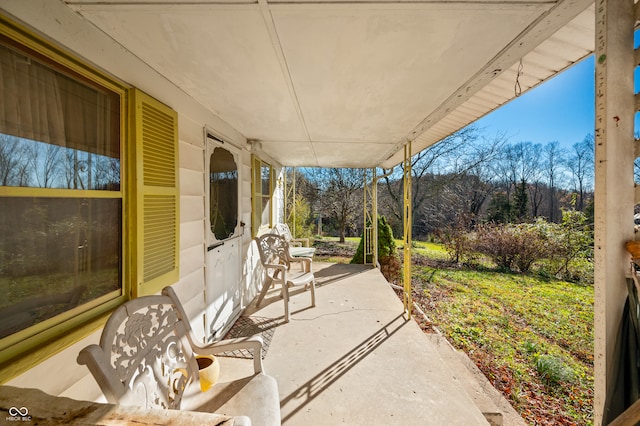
[{"x": 277, "y": 47}]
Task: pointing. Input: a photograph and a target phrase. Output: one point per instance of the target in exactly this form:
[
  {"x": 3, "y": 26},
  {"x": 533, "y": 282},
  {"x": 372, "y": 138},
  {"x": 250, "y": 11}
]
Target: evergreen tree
[
  {"x": 520, "y": 201},
  {"x": 499, "y": 209},
  {"x": 387, "y": 251}
]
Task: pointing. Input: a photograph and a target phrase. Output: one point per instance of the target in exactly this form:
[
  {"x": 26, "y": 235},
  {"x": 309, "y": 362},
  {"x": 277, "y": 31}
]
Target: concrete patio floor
[{"x": 355, "y": 358}]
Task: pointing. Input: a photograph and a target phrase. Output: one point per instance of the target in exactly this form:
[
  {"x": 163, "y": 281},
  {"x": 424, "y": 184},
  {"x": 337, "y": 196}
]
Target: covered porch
[
  {"x": 320, "y": 84},
  {"x": 355, "y": 358}
]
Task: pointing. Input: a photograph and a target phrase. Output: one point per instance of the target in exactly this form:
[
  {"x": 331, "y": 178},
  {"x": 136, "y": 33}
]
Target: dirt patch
[{"x": 326, "y": 249}]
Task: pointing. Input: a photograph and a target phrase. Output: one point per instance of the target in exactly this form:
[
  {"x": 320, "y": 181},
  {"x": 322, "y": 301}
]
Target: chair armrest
[
  {"x": 306, "y": 264},
  {"x": 251, "y": 342},
  {"x": 275, "y": 266},
  {"x": 305, "y": 261}
]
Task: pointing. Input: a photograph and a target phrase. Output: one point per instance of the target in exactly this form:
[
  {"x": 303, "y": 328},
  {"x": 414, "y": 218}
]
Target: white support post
[{"x": 614, "y": 186}]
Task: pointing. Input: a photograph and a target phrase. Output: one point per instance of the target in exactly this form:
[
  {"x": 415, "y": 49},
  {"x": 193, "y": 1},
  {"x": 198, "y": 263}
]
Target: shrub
[
  {"x": 457, "y": 241},
  {"x": 576, "y": 239},
  {"x": 303, "y": 224},
  {"x": 387, "y": 251},
  {"x": 570, "y": 249},
  {"x": 553, "y": 370},
  {"x": 515, "y": 245}
]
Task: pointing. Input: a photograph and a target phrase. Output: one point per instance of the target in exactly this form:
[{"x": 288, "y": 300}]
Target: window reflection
[
  {"x": 55, "y": 254},
  {"x": 28, "y": 163},
  {"x": 266, "y": 179},
  {"x": 57, "y": 130}
]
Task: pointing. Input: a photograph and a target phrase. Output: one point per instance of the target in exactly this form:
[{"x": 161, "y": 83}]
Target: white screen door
[{"x": 223, "y": 294}]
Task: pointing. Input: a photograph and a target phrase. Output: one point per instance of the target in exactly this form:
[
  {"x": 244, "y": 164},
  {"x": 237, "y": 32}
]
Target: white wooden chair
[
  {"x": 276, "y": 260},
  {"x": 147, "y": 358}
]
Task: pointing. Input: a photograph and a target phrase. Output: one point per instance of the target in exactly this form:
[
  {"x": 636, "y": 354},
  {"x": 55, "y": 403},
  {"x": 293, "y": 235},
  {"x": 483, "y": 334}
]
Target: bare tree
[
  {"x": 581, "y": 166},
  {"x": 520, "y": 167},
  {"x": 10, "y": 160},
  {"x": 553, "y": 158},
  {"x": 461, "y": 154},
  {"x": 44, "y": 160},
  {"x": 341, "y": 192},
  {"x": 106, "y": 172}
]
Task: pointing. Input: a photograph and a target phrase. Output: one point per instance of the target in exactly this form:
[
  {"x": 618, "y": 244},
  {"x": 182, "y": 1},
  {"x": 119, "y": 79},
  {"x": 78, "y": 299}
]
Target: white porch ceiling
[{"x": 347, "y": 84}]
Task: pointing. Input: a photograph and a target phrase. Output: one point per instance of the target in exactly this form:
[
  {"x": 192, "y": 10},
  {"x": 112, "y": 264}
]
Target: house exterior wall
[
  {"x": 70, "y": 31},
  {"x": 192, "y": 221}
]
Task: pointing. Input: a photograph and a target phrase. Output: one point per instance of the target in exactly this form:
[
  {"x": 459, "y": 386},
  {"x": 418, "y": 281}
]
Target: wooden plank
[
  {"x": 32, "y": 405},
  {"x": 630, "y": 417}
]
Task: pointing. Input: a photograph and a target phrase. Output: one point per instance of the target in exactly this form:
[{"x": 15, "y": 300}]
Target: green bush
[
  {"x": 386, "y": 243},
  {"x": 553, "y": 370},
  {"x": 514, "y": 246},
  {"x": 387, "y": 251},
  {"x": 457, "y": 241},
  {"x": 570, "y": 249},
  {"x": 303, "y": 224}
]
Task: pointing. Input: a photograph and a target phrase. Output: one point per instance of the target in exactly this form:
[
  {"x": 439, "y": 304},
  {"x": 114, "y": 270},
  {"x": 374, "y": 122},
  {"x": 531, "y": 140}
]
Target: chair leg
[
  {"x": 267, "y": 283},
  {"x": 285, "y": 296},
  {"x": 313, "y": 293}
]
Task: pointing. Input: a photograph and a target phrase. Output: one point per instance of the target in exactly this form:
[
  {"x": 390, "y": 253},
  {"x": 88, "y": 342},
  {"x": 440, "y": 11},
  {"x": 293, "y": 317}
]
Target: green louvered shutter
[{"x": 155, "y": 128}]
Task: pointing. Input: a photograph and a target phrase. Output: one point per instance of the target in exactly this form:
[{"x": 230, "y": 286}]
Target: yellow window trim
[
  {"x": 44, "y": 348},
  {"x": 29, "y": 347}
]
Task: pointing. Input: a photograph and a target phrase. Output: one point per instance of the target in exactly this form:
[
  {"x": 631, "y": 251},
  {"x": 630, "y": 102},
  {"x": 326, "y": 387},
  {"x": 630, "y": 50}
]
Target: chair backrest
[
  {"x": 273, "y": 249},
  {"x": 144, "y": 357},
  {"x": 283, "y": 229}
]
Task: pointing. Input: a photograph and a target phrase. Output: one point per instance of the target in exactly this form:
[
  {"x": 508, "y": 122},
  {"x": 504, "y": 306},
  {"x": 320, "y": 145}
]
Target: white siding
[
  {"x": 62, "y": 375},
  {"x": 192, "y": 221}
]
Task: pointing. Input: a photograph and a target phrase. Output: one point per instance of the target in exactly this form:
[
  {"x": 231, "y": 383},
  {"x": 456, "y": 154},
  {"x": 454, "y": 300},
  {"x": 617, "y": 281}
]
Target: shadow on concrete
[
  {"x": 335, "y": 272},
  {"x": 316, "y": 385}
]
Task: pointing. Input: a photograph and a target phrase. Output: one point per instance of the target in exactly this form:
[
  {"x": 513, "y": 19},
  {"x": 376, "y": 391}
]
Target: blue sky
[{"x": 561, "y": 109}]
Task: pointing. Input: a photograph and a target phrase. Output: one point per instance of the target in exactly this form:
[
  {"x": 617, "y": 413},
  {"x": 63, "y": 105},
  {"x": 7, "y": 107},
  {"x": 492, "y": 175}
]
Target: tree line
[{"x": 466, "y": 177}]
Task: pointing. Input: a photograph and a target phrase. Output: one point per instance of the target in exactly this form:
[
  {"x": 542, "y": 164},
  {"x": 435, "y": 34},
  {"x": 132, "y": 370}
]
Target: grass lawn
[
  {"x": 531, "y": 336},
  {"x": 329, "y": 249}
]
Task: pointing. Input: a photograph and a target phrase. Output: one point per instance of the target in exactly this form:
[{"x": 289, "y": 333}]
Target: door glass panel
[{"x": 223, "y": 193}]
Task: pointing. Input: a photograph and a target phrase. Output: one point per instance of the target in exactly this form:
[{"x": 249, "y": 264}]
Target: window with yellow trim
[
  {"x": 61, "y": 191},
  {"x": 263, "y": 187}
]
